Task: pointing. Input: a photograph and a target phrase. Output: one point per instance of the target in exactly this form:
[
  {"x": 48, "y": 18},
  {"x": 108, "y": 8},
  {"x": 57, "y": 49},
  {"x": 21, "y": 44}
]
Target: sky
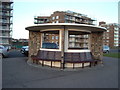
[{"x": 25, "y": 10}]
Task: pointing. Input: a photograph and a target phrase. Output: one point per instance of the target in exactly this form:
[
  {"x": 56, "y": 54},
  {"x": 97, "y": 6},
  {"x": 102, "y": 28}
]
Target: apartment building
[
  {"x": 6, "y": 16},
  {"x": 71, "y": 17},
  {"x": 119, "y": 20},
  {"x": 112, "y": 35},
  {"x": 67, "y": 17},
  {"x": 119, "y": 12}
]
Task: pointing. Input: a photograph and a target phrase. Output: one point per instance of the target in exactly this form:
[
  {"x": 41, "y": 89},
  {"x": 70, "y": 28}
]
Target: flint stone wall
[
  {"x": 34, "y": 42},
  {"x": 97, "y": 45}
]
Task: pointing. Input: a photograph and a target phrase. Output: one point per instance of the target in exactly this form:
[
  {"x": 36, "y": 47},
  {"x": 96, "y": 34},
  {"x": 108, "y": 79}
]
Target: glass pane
[
  {"x": 77, "y": 40},
  {"x": 49, "y": 41}
]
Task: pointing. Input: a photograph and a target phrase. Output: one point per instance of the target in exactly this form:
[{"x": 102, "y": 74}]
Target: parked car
[
  {"x": 24, "y": 50},
  {"x": 106, "y": 49},
  {"x": 3, "y": 51},
  {"x": 50, "y": 45}
]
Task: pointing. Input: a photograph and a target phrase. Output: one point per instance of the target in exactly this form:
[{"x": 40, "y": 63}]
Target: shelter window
[
  {"x": 78, "y": 40},
  {"x": 49, "y": 41}
]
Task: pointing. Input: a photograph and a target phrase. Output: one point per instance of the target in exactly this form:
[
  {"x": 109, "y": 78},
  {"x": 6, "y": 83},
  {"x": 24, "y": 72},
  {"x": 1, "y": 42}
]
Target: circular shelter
[{"x": 65, "y": 45}]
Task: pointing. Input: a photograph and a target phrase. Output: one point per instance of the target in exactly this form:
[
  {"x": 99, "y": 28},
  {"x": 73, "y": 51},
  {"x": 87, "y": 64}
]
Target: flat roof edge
[{"x": 65, "y": 24}]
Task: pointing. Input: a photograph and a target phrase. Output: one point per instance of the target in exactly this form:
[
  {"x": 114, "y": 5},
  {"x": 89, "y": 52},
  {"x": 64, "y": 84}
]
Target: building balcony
[
  {"x": 116, "y": 32},
  {"x": 5, "y": 7},
  {"x": 6, "y": 14},
  {"x": 4, "y": 43},
  {"x": 70, "y": 19},
  {"x": 79, "y": 21},
  {"x": 7, "y": 23},
  {"x": 4, "y": 21},
  {"x": 76, "y": 15},
  {"x": 7, "y": 37},
  {"x": 79, "y": 37},
  {"x": 7, "y": 1},
  {"x": 116, "y": 42},
  {"x": 7, "y": 30},
  {"x": 40, "y": 22},
  {"x": 78, "y": 41},
  {"x": 116, "y": 39}
]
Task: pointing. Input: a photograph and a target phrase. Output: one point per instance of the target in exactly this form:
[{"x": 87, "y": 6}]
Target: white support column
[
  {"x": 63, "y": 40},
  {"x": 89, "y": 42},
  {"x": 62, "y": 46},
  {"x": 60, "y": 39},
  {"x": 66, "y": 41}
]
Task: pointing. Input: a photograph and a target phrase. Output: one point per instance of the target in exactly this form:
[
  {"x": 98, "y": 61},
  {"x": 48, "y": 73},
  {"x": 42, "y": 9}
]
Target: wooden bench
[
  {"x": 55, "y": 56},
  {"x": 36, "y": 58},
  {"x": 52, "y": 56},
  {"x": 82, "y": 58}
]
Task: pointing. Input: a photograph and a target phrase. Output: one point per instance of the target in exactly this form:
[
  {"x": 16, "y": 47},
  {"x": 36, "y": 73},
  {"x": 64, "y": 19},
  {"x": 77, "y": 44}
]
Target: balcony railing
[
  {"x": 5, "y": 29},
  {"x": 6, "y": 7},
  {"x": 7, "y": 14},
  {"x": 5, "y": 37},
  {"x": 78, "y": 41},
  {"x": 6, "y": 0},
  {"x": 116, "y": 39}
]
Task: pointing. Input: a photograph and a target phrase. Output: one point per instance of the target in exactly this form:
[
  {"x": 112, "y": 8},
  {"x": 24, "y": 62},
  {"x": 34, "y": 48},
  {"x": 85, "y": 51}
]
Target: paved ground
[
  {"x": 114, "y": 50},
  {"x": 19, "y": 74}
]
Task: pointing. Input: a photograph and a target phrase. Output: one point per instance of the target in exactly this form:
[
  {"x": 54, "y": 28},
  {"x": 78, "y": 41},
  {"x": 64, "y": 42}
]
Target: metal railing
[
  {"x": 6, "y": 0},
  {"x": 5, "y": 37}
]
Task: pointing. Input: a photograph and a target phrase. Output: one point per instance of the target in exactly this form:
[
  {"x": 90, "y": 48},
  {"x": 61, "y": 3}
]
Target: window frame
[{"x": 59, "y": 40}]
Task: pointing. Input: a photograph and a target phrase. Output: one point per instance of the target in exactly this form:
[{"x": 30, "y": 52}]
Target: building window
[
  {"x": 107, "y": 30},
  {"x": 57, "y": 21},
  {"x": 107, "y": 37},
  {"x": 52, "y": 37},
  {"x": 57, "y": 37},
  {"x": 107, "y": 27},
  {"x": 66, "y": 17},
  {"x": 53, "y": 18},
  {"x": 57, "y": 17},
  {"x": 66, "y": 21},
  {"x": 80, "y": 19}
]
